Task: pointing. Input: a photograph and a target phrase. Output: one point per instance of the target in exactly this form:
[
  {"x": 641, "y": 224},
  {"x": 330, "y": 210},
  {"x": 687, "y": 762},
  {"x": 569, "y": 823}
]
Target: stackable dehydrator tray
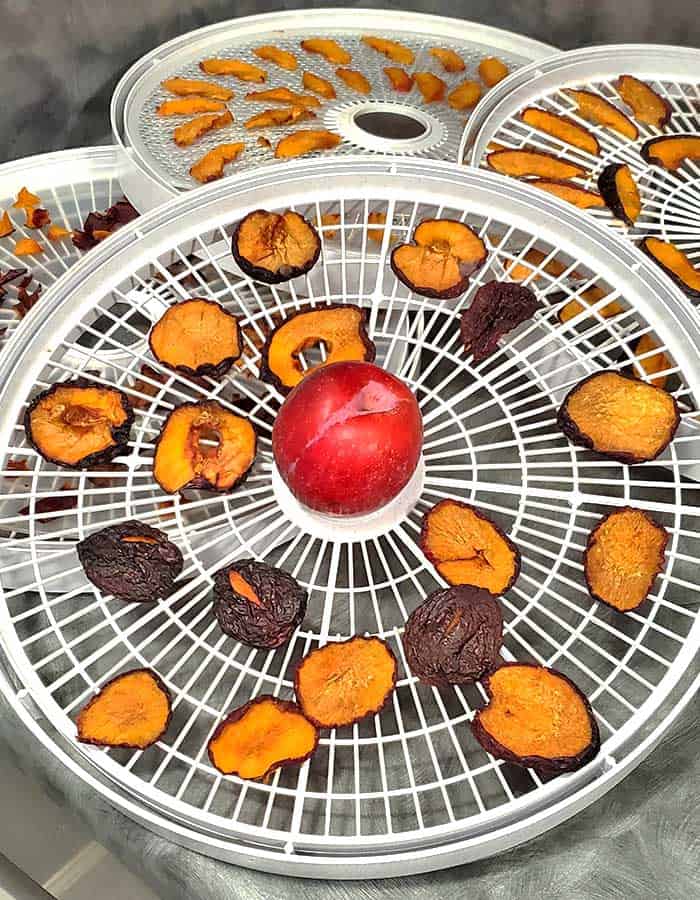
[{"x": 410, "y": 789}]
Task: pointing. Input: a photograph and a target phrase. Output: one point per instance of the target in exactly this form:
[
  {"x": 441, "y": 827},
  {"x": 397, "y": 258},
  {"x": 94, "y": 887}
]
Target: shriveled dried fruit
[
  {"x": 26, "y": 299},
  {"x": 340, "y": 329},
  {"x": 132, "y": 561},
  {"x": 600, "y": 111},
  {"x": 675, "y": 263},
  {"x": 27, "y": 247},
  {"x": 454, "y": 636},
  {"x": 391, "y": 49},
  {"x": 355, "y": 80},
  {"x": 465, "y": 95},
  {"x": 6, "y": 226},
  {"x": 282, "y": 115},
  {"x": 282, "y": 58},
  {"x": 26, "y": 200},
  {"x": 582, "y": 198},
  {"x": 343, "y": 682},
  {"x": 144, "y": 384},
  {"x": 203, "y": 446},
  {"x": 468, "y": 548},
  {"x": 284, "y": 95},
  {"x": 8, "y": 277},
  {"x": 236, "y": 68},
  {"x": 77, "y": 424},
  {"x": 561, "y": 127},
  {"x": 264, "y": 142},
  {"x": 431, "y": 87},
  {"x": 533, "y": 162},
  {"x": 36, "y": 218},
  {"x": 672, "y": 151},
  {"x": 275, "y": 247},
  {"x": 399, "y": 79},
  {"x": 258, "y": 604},
  {"x": 190, "y": 106},
  {"x": 492, "y": 70},
  {"x": 189, "y": 132},
  {"x": 619, "y": 417},
  {"x": 58, "y": 233},
  {"x": 450, "y": 60},
  {"x": 620, "y": 192},
  {"x": 587, "y": 298},
  {"x": 197, "y": 337},
  {"x": 98, "y": 225},
  {"x": 302, "y": 142},
  {"x": 318, "y": 85},
  {"x": 329, "y": 49},
  {"x": 646, "y": 105},
  {"x": 441, "y": 259},
  {"x": 537, "y": 718},
  {"x": 211, "y": 166},
  {"x": 43, "y": 508},
  {"x": 497, "y": 308},
  {"x": 186, "y": 87},
  {"x": 132, "y": 710},
  {"x": 650, "y": 362},
  {"x": 263, "y": 735}
]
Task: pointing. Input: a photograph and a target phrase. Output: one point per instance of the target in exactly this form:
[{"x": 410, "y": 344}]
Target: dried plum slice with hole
[
  {"x": 275, "y": 247},
  {"x": 496, "y": 309}
]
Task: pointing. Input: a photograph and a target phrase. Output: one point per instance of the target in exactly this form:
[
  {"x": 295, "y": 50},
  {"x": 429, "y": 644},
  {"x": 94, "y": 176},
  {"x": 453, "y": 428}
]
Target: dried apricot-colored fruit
[
  {"x": 6, "y": 226},
  {"x": 343, "y": 682},
  {"x": 36, "y": 218},
  {"x": 284, "y": 95},
  {"x": 355, "y": 80},
  {"x": 533, "y": 162},
  {"x": 280, "y": 115},
  {"x": 497, "y": 308},
  {"x": 619, "y": 417},
  {"x": 264, "y": 142},
  {"x": 329, "y": 219},
  {"x": 450, "y": 60},
  {"x": 203, "y": 446},
  {"x": 675, "y": 263},
  {"x": 580, "y": 197},
  {"x": 561, "y": 127},
  {"x": 646, "y": 105},
  {"x": 399, "y": 79},
  {"x": 211, "y": 165},
  {"x": 391, "y": 49},
  {"x": 465, "y": 95},
  {"x": 537, "y": 718},
  {"x": 671, "y": 152},
  {"x": 190, "y": 106},
  {"x": 492, "y": 70},
  {"x": 454, "y": 636},
  {"x": 441, "y": 259},
  {"x": 620, "y": 192},
  {"x": 651, "y": 363},
  {"x": 132, "y": 710},
  {"x": 318, "y": 85},
  {"x": 263, "y": 735},
  {"x": 329, "y": 49},
  {"x": 58, "y": 232},
  {"x": 533, "y": 258},
  {"x": 600, "y": 111},
  {"x": 275, "y": 247},
  {"x": 376, "y": 234},
  {"x": 197, "y": 337},
  {"x": 237, "y": 68},
  {"x": 185, "y": 87},
  {"x": 306, "y": 141},
  {"x": 431, "y": 87},
  {"x": 282, "y": 58},
  {"x": 77, "y": 424},
  {"x": 468, "y": 548},
  {"x": 27, "y": 247},
  {"x": 589, "y": 297},
  {"x": 189, "y": 132},
  {"x": 26, "y": 200}
]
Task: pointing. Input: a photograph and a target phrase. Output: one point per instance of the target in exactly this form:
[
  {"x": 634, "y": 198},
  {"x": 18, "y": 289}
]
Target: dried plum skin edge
[{"x": 257, "y": 273}]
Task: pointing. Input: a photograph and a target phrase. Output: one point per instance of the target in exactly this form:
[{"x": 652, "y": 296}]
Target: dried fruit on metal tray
[
  {"x": 340, "y": 329},
  {"x": 520, "y": 163},
  {"x": 190, "y": 106},
  {"x": 27, "y": 247},
  {"x": 492, "y": 70},
  {"x": 132, "y": 710},
  {"x": 58, "y": 232},
  {"x": 431, "y": 87},
  {"x": 263, "y": 735},
  {"x": 399, "y": 79},
  {"x": 597, "y": 109},
  {"x": 391, "y": 49},
  {"x": 342, "y": 682},
  {"x": 211, "y": 166},
  {"x": 203, "y": 446},
  {"x": 275, "y": 247},
  {"x": 623, "y": 556},
  {"x": 6, "y": 226},
  {"x": 620, "y": 192},
  {"x": 98, "y": 225},
  {"x": 264, "y": 142},
  {"x": 587, "y": 298},
  {"x": 675, "y": 264},
  {"x": 329, "y": 49},
  {"x": 77, "y": 423},
  {"x": 454, "y": 636},
  {"x": 186, "y": 87},
  {"x": 646, "y": 105},
  {"x": 579, "y": 197},
  {"x": 619, "y": 417},
  {"x": 257, "y": 604},
  {"x": 280, "y": 115},
  {"x": 440, "y": 260},
  {"x": 355, "y": 80},
  {"x": 236, "y": 68},
  {"x": 497, "y": 308},
  {"x": 651, "y": 363},
  {"x": 468, "y": 548},
  {"x": 537, "y": 718},
  {"x": 189, "y": 132},
  {"x": 318, "y": 85},
  {"x": 131, "y": 561},
  {"x": 465, "y": 95},
  {"x": 197, "y": 337},
  {"x": 307, "y": 141},
  {"x": 284, "y": 95},
  {"x": 450, "y": 60},
  {"x": 671, "y": 152},
  {"x": 282, "y": 58},
  {"x": 561, "y": 127}
]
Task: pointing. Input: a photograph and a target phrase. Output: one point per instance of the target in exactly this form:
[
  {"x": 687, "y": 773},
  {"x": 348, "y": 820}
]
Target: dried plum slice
[
  {"x": 329, "y": 49},
  {"x": 561, "y": 127},
  {"x": 98, "y": 225},
  {"x": 185, "y": 87},
  {"x": 399, "y": 79},
  {"x": 355, "y": 80},
  {"x": 492, "y": 70},
  {"x": 651, "y": 363},
  {"x": 497, "y": 308},
  {"x": 196, "y": 337},
  {"x": 646, "y": 105},
  {"x": 465, "y": 95},
  {"x": 600, "y": 111},
  {"x": 186, "y": 134},
  {"x": 211, "y": 166},
  {"x": 283, "y": 95},
  {"x": 450, "y": 60},
  {"x": 675, "y": 264},
  {"x": 318, "y": 85},
  {"x": 235, "y": 68},
  {"x": 580, "y": 197},
  {"x": 274, "y": 247},
  {"x": 391, "y": 49},
  {"x": 279, "y": 115},
  {"x": 431, "y": 87},
  {"x": 671, "y": 151},
  {"x": 299, "y": 143},
  {"x": 620, "y": 192},
  {"x": 282, "y": 58},
  {"x": 524, "y": 162},
  {"x": 190, "y": 106}
]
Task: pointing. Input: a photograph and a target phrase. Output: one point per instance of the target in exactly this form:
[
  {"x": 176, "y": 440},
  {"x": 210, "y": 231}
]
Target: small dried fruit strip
[
  {"x": 465, "y": 95},
  {"x": 590, "y": 297},
  {"x": 190, "y": 106},
  {"x": 651, "y": 363},
  {"x": 282, "y": 58},
  {"x": 522, "y": 163},
  {"x": 561, "y": 127},
  {"x": 58, "y": 232},
  {"x": 318, "y": 85},
  {"x": 98, "y": 225},
  {"x": 450, "y": 60},
  {"x": 189, "y": 132},
  {"x": 571, "y": 193},
  {"x": 391, "y": 49},
  {"x": 211, "y": 165},
  {"x": 675, "y": 263},
  {"x": 185, "y": 87},
  {"x": 597, "y": 109},
  {"x": 329, "y": 49},
  {"x": 376, "y": 234},
  {"x": 281, "y": 115},
  {"x": 326, "y": 220},
  {"x": 355, "y": 80},
  {"x": 197, "y": 337},
  {"x": 283, "y": 95},
  {"x": 524, "y": 268},
  {"x": 620, "y": 192},
  {"x": 36, "y": 218},
  {"x": 301, "y": 142},
  {"x": 646, "y": 105},
  {"x": 27, "y": 247},
  {"x": 236, "y": 68},
  {"x": 26, "y": 200},
  {"x": 492, "y": 70},
  {"x": 431, "y": 87},
  {"x": 671, "y": 152},
  {"x": 399, "y": 79}
]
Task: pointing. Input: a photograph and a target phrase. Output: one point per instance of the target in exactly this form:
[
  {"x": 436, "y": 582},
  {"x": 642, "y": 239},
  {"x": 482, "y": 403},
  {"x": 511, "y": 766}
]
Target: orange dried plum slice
[
  {"x": 58, "y": 232},
  {"x": 185, "y": 87},
  {"x": 236, "y": 68},
  {"x": 36, "y": 218},
  {"x": 590, "y": 297},
  {"x": 646, "y": 105},
  {"x": 341, "y": 329},
  {"x": 675, "y": 264},
  {"x": 190, "y": 106},
  {"x": 257, "y": 604},
  {"x": 449, "y": 59},
  {"x": 524, "y": 162},
  {"x": 318, "y": 85},
  {"x": 329, "y": 219},
  {"x": 492, "y": 70},
  {"x": 561, "y": 127},
  {"x": 284, "y": 95},
  {"x": 131, "y": 561},
  {"x": 671, "y": 151},
  {"x": 132, "y": 710},
  {"x": 468, "y": 548},
  {"x": 302, "y": 142},
  {"x": 6, "y": 226},
  {"x": 186, "y": 134},
  {"x": 281, "y": 115},
  {"x": 454, "y": 636},
  {"x": 27, "y": 247},
  {"x": 525, "y": 266},
  {"x": 211, "y": 166},
  {"x": 391, "y": 49},
  {"x": 376, "y": 234},
  {"x": 77, "y": 424},
  {"x": 577, "y": 196},
  {"x": 651, "y": 363},
  {"x": 431, "y": 87},
  {"x": 26, "y": 200},
  {"x": 465, "y": 95},
  {"x": 341, "y": 683},
  {"x": 399, "y": 79},
  {"x": 439, "y": 262},
  {"x": 263, "y": 142},
  {"x": 329, "y": 49},
  {"x": 203, "y": 446},
  {"x": 619, "y": 417},
  {"x": 537, "y": 718},
  {"x": 497, "y": 308},
  {"x": 597, "y": 109},
  {"x": 355, "y": 80},
  {"x": 620, "y": 192},
  {"x": 623, "y": 556},
  {"x": 273, "y": 247},
  {"x": 263, "y": 735},
  {"x": 196, "y": 337},
  {"x": 282, "y": 58}
]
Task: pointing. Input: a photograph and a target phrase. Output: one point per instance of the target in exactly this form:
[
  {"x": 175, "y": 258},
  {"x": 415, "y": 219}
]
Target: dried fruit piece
[
  {"x": 26, "y": 298},
  {"x": 597, "y": 109},
  {"x": 671, "y": 152},
  {"x": 36, "y": 218},
  {"x": 620, "y": 192},
  {"x": 132, "y": 561},
  {"x": 571, "y": 193},
  {"x": 132, "y": 710},
  {"x": 376, "y": 234},
  {"x": 450, "y": 60},
  {"x": 646, "y": 105},
  {"x": 318, "y": 85},
  {"x": 524, "y": 267},
  {"x": 145, "y": 385},
  {"x": 258, "y": 604},
  {"x": 537, "y": 718},
  {"x": 343, "y": 682},
  {"x": 284, "y": 95},
  {"x": 329, "y": 49},
  {"x": 98, "y": 225},
  {"x": 58, "y": 233},
  {"x": 189, "y": 132},
  {"x": 285, "y": 115},
  {"x": 533, "y": 162},
  {"x": 211, "y": 165},
  {"x": 282, "y": 58},
  {"x": 355, "y": 80},
  {"x": 561, "y": 127},
  {"x": 236, "y": 68},
  {"x": 274, "y": 247},
  {"x": 203, "y": 446},
  {"x": 186, "y": 87},
  {"x": 651, "y": 365},
  {"x": 264, "y": 142},
  {"x": 6, "y": 226},
  {"x": 468, "y": 548},
  {"x": 340, "y": 329},
  {"x": 27, "y": 247},
  {"x": 261, "y": 736},
  {"x": 329, "y": 219},
  {"x": 391, "y": 49},
  {"x": 301, "y": 142},
  {"x": 675, "y": 263},
  {"x": 497, "y": 308},
  {"x": 431, "y": 87},
  {"x": 26, "y": 200},
  {"x": 190, "y": 106},
  {"x": 492, "y": 70},
  {"x": 8, "y": 277},
  {"x": 590, "y": 297},
  {"x": 619, "y": 417},
  {"x": 454, "y": 636},
  {"x": 441, "y": 259},
  {"x": 77, "y": 424},
  {"x": 43, "y": 507},
  {"x": 465, "y": 96},
  {"x": 399, "y": 78},
  {"x": 197, "y": 337}
]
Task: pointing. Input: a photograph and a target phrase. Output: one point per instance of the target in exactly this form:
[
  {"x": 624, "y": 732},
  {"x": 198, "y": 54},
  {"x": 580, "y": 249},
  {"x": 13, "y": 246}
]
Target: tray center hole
[{"x": 394, "y": 125}]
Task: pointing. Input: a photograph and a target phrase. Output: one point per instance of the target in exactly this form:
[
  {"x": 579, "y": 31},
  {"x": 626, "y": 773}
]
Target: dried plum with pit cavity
[
  {"x": 275, "y": 247},
  {"x": 497, "y": 308}
]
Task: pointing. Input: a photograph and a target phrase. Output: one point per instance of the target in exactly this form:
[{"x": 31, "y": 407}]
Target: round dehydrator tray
[
  {"x": 670, "y": 199},
  {"x": 155, "y": 169},
  {"x": 410, "y": 789}
]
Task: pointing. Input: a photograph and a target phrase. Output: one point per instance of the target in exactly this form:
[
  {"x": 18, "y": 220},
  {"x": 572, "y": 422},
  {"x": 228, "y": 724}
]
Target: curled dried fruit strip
[
  {"x": 285, "y": 115},
  {"x": 329, "y": 49},
  {"x": 492, "y": 70},
  {"x": 561, "y": 127},
  {"x": 431, "y": 87},
  {"x": 597, "y": 109},
  {"x": 355, "y": 80},
  {"x": 590, "y": 297},
  {"x": 185, "y": 87},
  {"x": 450, "y": 60},
  {"x": 282, "y": 58},
  {"x": 399, "y": 79},
  {"x": 646, "y": 105},
  {"x": 211, "y": 165},
  {"x": 391, "y": 49},
  {"x": 36, "y": 218},
  {"x": 571, "y": 193},
  {"x": 537, "y": 718},
  {"x": 189, "y": 132},
  {"x": 497, "y": 308},
  {"x": 263, "y": 735},
  {"x": 197, "y": 337},
  {"x": 520, "y": 163},
  {"x": 671, "y": 152},
  {"x": 26, "y": 298},
  {"x": 275, "y": 247},
  {"x": 306, "y": 141},
  {"x": 620, "y": 192},
  {"x": 190, "y": 106},
  {"x": 318, "y": 85},
  {"x": 651, "y": 363},
  {"x": 675, "y": 263},
  {"x": 28, "y": 247},
  {"x": 343, "y": 682},
  {"x": 236, "y": 68},
  {"x": 283, "y": 95},
  {"x": 6, "y": 226},
  {"x": 58, "y": 233},
  {"x": 464, "y": 96}
]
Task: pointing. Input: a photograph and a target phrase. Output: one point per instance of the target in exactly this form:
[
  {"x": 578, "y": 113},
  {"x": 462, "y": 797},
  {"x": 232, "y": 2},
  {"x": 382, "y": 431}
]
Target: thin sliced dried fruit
[
  {"x": 26, "y": 200},
  {"x": 492, "y": 70},
  {"x": 391, "y": 49},
  {"x": 132, "y": 561},
  {"x": 355, "y": 80},
  {"x": 132, "y": 710},
  {"x": 236, "y": 68},
  {"x": 8, "y": 277},
  {"x": 263, "y": 735},
  {"x": 465, "y": 96},
  {"x": 306, "y": 141},
  {"x": 149, "y": 383},
  {"x": 26, "y": 299},
  {"x": 454, "y": 636},
  {"x": 318, "y": 85},
  {"x": 497, "y": 308},
  {"x": 620, "y": 192},
  {"x": 329, "y": 49},
  {"x": 561, "y": 127},
  {"x": 651, "y": 363},
  {"x": 619, "y": 417},
  {"x": 590, "y": 297},
  {"x": 431, "y": 87},
  {"x": 197, "y": 337},
  {"x": 571, "y": 193},
  {"x": 468, "y": 548},
  {"x": 532, "y": 260},
  {"x": 646, "y": 105},
  {"x": 343, "y": 682},
  {"x": 189, "y": 132},
  {"x": 57, "y": 503},
  {"x": 675, "y": 263},
  {"x": 284, "y": 95},
  {"x": 399, "y": 79},
  {"x": 211, "y": 166},
  {"x": 6, "y": 226},
  {"x": 329, "y": 219},
  {"x": 36, "y": 218},
  {"x": 77, "y": 424},
  {"x": 203, "y": 446},
  {"x": 524, "y": 162},
  {"x": 671, "y": 152},
  {"x": 450, "y": 60},
  {"x": 340, "y": 329},
  {"x": 281, "y": 115},
  {"x": 27, "y": 247},
  {"x": 282, "y": 58},
  {"x": 98, "y": 225},
  {"x": 275, "y": 247},
  {"x": 190, "y": 106},
  {"x": 597, "y": 109},
  {"x": 441, "y": 259},
  {"x": 186, "y": 87},
  {"x": 376, "y": 234},
  {"x": 537, "y": 718},
  {"x": 257, "y": 604},
  {"x": 58, "y": 233}
]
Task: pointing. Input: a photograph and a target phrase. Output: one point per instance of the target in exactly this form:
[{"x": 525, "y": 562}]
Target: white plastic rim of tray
[{"x": 409, "y": 790}]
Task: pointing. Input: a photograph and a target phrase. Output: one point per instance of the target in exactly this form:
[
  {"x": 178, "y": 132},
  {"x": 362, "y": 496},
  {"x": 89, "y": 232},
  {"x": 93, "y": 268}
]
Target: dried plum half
[
  {"x": 620, "y": 192},
  {"x": 273, "y": 247},
  {"x": 497, "y": 308}
]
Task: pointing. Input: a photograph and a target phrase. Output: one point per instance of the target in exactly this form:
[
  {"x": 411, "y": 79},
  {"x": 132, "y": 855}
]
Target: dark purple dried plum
[
  {"x": 497, "y": 308},
  {"x": 98, "y": 226}
]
